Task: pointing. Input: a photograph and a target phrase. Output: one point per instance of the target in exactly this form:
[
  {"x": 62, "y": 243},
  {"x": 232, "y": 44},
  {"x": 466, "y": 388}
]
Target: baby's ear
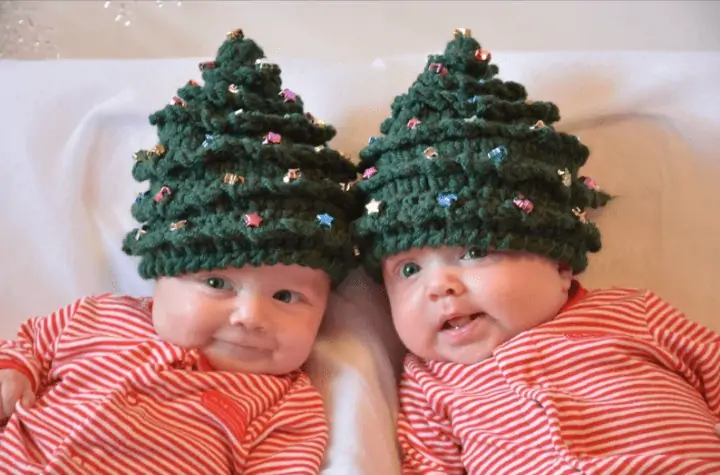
[{"x": 566, "y": 276}]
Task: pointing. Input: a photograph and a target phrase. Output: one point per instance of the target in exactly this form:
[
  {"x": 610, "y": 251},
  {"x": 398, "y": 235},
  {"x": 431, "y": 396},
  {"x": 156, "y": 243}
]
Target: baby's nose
[
  {"x": 250, "y": 314},
  {"x": 445, "y": 283}
]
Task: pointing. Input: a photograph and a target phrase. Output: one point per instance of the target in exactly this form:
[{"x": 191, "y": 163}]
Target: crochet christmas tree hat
[
  {"x": 466, "y": 160},
  {"x": 242, "y": 175}
]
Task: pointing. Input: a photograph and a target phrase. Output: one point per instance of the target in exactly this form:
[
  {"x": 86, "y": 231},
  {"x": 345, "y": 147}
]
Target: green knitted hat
[
  {"x": 241, "y": 175},
  {"x": 467, "y": 160}
]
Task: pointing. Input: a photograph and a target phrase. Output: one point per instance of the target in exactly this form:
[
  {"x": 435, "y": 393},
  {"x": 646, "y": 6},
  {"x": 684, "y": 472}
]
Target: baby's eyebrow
[
  {"x": 392, "y": 261},
  {"x": 411, "y": 253},
  {"x": 305, "y": 286}
]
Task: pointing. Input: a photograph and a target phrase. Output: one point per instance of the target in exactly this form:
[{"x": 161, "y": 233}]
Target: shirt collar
[{"x": 575, "y": 295}]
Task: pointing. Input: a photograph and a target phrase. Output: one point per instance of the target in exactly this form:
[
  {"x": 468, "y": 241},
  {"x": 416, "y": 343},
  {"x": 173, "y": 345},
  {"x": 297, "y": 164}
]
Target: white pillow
[{"x": 356, "y": 366}]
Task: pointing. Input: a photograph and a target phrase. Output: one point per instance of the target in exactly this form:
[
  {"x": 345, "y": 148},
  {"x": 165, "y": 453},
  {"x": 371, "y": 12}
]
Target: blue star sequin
[
  {"x": 498, "y": 154},
  {"x": 325, "y": 219},
  {"x": 445, "y": 200}
]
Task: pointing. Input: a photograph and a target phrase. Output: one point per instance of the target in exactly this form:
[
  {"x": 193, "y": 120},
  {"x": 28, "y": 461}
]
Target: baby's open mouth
[{"x": 456, "y": 323}]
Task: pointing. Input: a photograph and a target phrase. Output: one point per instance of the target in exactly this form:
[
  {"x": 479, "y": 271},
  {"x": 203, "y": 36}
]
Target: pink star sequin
[
  {"x": 524, "y": 204},
  {"x": 253, "y": 220},
  {"x": 272, "y": 137},
  {"x": 369, "y": 172},
  {"x": 288, "y": 95},
  {"x": 438, "y": 68}
]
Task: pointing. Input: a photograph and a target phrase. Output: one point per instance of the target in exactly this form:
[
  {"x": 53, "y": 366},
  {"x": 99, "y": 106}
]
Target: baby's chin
[
  {"x": 256, "y": 363},
  {"x": 468, "y": 352},
  {"x": 468, "y": 355},
  {"x": 219, "y": 361}
]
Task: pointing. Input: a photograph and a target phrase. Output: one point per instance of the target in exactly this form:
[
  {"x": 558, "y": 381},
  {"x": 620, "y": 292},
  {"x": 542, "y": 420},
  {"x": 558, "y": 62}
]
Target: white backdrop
[{"x": 69, "y": 128}]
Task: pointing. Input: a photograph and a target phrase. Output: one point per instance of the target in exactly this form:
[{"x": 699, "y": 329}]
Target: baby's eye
[
  {"x": 217, "y": 283},
  {"x": 286, "y": 296},
  {"x": 474, "y": 253},
  {"x": 409, "y": 269}
]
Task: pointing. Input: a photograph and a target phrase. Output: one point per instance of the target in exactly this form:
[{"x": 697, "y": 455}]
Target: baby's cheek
[
  {"x": 499, "y": 293},
  {"x": 512, "y": 309},
  {"x": 186, "y": 329},
  {"x": 292, "y": 351},
  {"x": 199, "y": 331},
  {"x": 415, "y": 331},
  {"x": 297, "y": 333}
]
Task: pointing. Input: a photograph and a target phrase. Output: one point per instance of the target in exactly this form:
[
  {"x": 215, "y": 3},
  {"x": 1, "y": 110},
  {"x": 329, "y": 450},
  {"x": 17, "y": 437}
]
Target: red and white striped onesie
[
  {"x": 115, "y": 399},
  {"x": 619, "y": 382}
]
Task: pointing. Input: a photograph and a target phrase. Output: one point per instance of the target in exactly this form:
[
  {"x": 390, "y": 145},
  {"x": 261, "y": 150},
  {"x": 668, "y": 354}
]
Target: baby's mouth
[{"x": 456, "y": 323}]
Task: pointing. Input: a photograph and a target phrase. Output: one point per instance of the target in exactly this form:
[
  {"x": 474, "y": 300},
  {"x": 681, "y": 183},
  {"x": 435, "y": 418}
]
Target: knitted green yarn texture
[
  {"x": 467, "y": 160},
  {"x": 241, "y": 175}
]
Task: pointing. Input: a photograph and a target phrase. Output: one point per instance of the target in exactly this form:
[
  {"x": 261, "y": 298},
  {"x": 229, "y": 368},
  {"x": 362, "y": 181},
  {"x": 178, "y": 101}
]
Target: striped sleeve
[
  {"x": 426, "y": 444},
  {"x": 295, "y": 438},
  {"x": 688, "y": 348},
  {"x": 32, "y": 351}
]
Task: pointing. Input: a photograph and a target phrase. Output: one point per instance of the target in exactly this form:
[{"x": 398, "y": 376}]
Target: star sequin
[
  {"x": 325, "y": 219},
  {"x": 412, "y": 123},
  {"x": 566, "y": 177},
  {"x": 483, "y": 55},
  {"x": 498, "y": 154},
  {"x": 288, "y": 95},
  {"x": 369, "y": 172},
  {"x": 235, "y": 34},
  {"x": 430, "y": 153},
  {"x": 580, "y": 214},
  {"x": 253, "y": 220},
  {"x": 292, "y": 174},
  {"x": 177, "y": 101},
  {"x": 206, "y": 65},
  {"x": 524, "y": 204},
  {"x": 231, "y": 179},
  {"x": 272, "y": 137},
  {"x": 438, "y": 68},
  {"x": 445, "y": 200},
  {"x": 373, "y": 206},
  {"x": 140, "y": 232}
]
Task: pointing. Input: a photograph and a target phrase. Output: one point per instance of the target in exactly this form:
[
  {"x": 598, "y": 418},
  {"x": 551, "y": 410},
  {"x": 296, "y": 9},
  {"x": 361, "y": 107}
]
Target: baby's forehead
[
  {"x": 272, "y": 274},
  {"x": 425, "y": 251},
  {"x": 447, "y": 253}
]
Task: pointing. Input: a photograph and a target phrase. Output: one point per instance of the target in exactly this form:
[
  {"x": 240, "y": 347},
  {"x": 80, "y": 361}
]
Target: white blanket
[{"x": 652, "y": 121}]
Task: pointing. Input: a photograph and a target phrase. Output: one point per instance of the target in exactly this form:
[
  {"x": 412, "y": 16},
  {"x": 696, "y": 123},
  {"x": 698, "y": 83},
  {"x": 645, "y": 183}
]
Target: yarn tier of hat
[
  {"x": 467, "y": 160},
  {"x": 241, "y": 175}
]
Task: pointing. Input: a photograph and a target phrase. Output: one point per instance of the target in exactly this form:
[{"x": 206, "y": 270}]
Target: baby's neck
[{"x": 576, "y": 293}]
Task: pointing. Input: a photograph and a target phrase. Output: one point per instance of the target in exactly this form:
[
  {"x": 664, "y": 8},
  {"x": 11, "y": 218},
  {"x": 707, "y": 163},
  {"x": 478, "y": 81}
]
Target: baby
[
  {"x": 246, "y": 231},
  {"x": 476, "y": 224}
]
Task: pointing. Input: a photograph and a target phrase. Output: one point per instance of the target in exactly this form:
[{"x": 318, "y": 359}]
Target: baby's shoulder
[
  {"x": 614, "y": 291},
  {"x": 610, "y": 297},
  {"x": 100, "y": 307},
  {"x": 116, "y": 299},
  {"x": 442, "y": 374},
  {"x": 260, "y": 383},
  {"x": 288, "y": 392}
]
